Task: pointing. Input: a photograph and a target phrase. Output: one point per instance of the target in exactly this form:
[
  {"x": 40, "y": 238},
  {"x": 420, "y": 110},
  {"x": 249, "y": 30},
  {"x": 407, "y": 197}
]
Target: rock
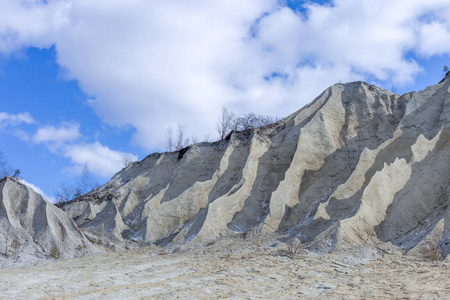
[
  {"x": 33, "y": 229},
  {"x": 358, "y": 166}
]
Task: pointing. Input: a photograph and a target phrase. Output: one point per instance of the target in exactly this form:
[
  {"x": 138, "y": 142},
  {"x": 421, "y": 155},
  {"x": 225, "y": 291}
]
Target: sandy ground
[{"x": 239, "y": 271}]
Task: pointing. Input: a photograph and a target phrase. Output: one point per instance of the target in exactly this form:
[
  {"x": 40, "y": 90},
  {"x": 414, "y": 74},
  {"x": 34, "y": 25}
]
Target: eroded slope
[{"x": 359, "y": 165}]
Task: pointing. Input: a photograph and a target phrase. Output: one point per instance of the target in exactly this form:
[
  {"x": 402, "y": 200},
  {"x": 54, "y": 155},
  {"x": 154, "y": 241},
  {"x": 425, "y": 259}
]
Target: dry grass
[{"x": 432, "y": 251}]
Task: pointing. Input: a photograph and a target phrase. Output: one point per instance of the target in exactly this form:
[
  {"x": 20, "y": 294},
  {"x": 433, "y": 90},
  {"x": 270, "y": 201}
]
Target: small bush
[
  {"x": 432, "y": 251},
  {"x": 111, "y": 195},
  {"x": 12, "y": 248},
  {"x": 55, "y": 253}
]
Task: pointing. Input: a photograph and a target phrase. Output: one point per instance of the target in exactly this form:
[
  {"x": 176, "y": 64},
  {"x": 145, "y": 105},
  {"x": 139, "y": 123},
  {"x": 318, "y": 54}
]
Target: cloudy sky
[{"x": 87, "y": 81}]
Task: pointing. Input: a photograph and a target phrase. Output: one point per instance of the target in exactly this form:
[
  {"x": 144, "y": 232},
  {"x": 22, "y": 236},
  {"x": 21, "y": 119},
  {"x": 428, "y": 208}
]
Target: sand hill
[
  {"x": 33, "y": 229},
  {"x": 358, "y": 166}
]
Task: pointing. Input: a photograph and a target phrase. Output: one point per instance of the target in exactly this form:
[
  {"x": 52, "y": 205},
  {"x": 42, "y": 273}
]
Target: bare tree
[
  {"x": 5, "y": 169},
  {"x": 3, "y": 165},
  {"x": 2, "y": 160},
  {"x": 207, "y": 138},
  {"x": 181, "y": 141},
  {"x": 86, "y": 183},
  {"x": 169, "y": 137},
  {"x": 64, "y": 192},
  {"x": 249, "y": 121},
  {"x": 226, "y": 122},
  {"x": 127, "y": 159},
  {"x": 252, "y": 121},
  {"x": 178, "y": 140}
]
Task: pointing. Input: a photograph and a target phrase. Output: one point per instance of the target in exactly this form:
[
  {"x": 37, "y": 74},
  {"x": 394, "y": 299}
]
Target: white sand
[{"x": 248, "y": 272}]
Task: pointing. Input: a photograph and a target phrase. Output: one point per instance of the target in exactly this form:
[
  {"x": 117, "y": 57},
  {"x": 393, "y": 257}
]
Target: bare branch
[
  {"x": 86, "y": 182},
  {"x": 169, "y": 137},
  {"x": 226, "y": 122},
  {"x": 252, "y": 121},
  {"x": 64, "y": 192},
  {"x": 181, "y": 141},
  {"x": 5, "y": 169},
  {"x": 127, "y": 159}
]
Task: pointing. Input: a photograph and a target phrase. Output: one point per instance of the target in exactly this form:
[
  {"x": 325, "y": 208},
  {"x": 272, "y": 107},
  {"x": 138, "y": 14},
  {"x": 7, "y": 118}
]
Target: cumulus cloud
[
  {"x": 153, "y": 63},
  {"x": 29, "y": 23},
  {"x": 11, "y": 124},
  {"x": 7, "y": 119},
  {"x": 435, "y": 37},
  {"x": 64, "y": 133},
  {"x": 66, "y": 140},
  {"x": 100, "y": 159}
]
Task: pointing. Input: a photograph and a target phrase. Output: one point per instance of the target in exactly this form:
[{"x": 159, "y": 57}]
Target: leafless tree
[
  {"x": 169, "y": 137},
  {"x": 181, "y": 141},
  {"x": 2, "y": 160},
  {"x": 207, "y": 138},
  {"x": 178, "y": 140},
  {"x": 5, "y": 169},
  {"x": 86, "y": 183},
  {"x": 127, "y": 159},
  {"x": 64, "y": 192},
  {"x": 252, "y": 121},
  {"x": 194, "y": 140},
  {"x": 3, "y": 165},
  {"x": 226, "y": 122}
]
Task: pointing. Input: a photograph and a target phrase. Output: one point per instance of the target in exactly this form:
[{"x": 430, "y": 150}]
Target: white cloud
[
  {"x": 100, "y": 159},
  {"x": 11, "y": 124},
  {"x": 29, "y": 23},
  {"x": 435, "y": 39},
  {"x": 64, "y": 133},
  {"x": 7, "y": 119},
  {"x": 151, "y": 63},
  {"x": 66, "y": 140}
]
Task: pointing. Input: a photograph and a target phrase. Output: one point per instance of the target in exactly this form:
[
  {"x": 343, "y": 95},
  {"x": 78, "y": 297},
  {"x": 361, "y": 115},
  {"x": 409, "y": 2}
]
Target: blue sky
[{"x": 90, "y": 82}]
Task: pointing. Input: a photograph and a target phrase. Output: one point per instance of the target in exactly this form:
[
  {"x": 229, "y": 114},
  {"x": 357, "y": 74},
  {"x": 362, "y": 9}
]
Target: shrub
[
  {"x": 55, "y": 253},
  {"x": 432, "y": 251},
  {"x": 12, "y": 248}
]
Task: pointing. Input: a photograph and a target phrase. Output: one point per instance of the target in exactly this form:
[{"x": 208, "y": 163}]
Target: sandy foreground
[{"x": 236, "y": 271}]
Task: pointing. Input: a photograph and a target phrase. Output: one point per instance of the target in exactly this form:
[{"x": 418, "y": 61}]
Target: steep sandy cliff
[
  {"x": 32, "y": 228},
  {"x": 357, "y": 166}
]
